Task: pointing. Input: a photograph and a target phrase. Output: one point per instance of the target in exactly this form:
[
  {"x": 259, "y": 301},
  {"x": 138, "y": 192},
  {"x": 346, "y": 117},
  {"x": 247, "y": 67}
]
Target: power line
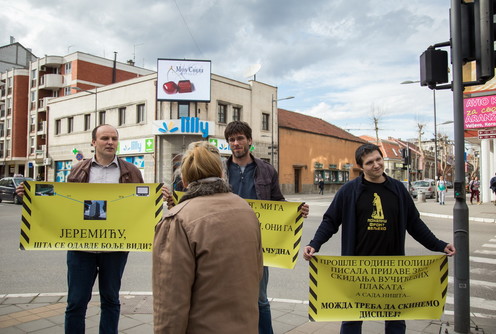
[{"x": 187, "y": 27}]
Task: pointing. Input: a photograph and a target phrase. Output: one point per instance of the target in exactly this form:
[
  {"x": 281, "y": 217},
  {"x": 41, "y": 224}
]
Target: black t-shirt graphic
[{"x": 377, "y": 212}]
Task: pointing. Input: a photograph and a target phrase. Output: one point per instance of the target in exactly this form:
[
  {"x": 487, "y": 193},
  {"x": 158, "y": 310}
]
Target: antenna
[{"x": 252, "y": 71}]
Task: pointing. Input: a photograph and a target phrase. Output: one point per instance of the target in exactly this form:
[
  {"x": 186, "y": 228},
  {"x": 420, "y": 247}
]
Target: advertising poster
[
  {"x": 183, "y": 80},
  {"x": 479, "y": 112},
  {"x": 90, "y": 216},
  {"x": 347, "y": 288},
  {"x": 281, "y": 226}
]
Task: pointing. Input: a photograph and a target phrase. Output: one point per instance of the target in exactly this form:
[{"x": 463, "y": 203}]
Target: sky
[{"x": 342, "y": 60}]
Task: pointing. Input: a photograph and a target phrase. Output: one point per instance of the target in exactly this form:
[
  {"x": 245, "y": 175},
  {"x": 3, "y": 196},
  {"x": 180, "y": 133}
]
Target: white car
[{"x": 426, "y": 186}]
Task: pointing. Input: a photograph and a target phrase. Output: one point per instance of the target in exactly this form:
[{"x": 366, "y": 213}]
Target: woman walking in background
[{"x": 442, "y": 189}]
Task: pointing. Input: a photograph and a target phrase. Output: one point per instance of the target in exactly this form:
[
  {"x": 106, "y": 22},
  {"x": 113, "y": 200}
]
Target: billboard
[
  {"x": 183, "y": 80},
  {"x": 479, "y": 112}
]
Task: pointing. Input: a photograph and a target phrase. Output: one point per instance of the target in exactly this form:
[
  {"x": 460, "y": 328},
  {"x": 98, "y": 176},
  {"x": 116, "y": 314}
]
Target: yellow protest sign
[
  {"x": 90, "y": 216},
  {"x": 281, "y": 226},
  {"x": 347, "y": 288}
]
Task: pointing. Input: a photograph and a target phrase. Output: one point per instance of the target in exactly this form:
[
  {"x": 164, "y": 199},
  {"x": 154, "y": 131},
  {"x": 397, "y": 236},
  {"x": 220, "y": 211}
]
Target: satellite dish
[{"x": 252, "y": 71}]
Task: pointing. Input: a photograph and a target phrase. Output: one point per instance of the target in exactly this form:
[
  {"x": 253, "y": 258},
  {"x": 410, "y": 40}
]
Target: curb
[{"x": 475, "y": 219}]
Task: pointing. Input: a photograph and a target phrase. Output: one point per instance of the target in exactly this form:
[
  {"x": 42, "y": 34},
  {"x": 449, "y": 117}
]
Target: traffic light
[
  {"x": 433, "y": 67},
  {"x": 484, "y": 39},
  {"x": 405, "y": 154}
]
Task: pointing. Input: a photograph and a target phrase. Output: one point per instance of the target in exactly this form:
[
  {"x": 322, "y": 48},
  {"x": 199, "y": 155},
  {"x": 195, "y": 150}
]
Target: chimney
[{"x": 12, "y": 40}]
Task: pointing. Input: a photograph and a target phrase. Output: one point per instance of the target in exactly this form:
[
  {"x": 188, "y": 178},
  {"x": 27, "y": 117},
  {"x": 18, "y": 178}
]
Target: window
[
  {"x": 265, "y": 122},
  {"x": 140, "y": 113},
  {"x": 222, "y": 113},
  {"x": 236, "y": 114},
  {"x": 57, "y": 126},
  {"x": 67, "y": 91},
  {"x": 87, "y": 122},
  {"x": 31, "y": 145},
  {"x": 331, "y": 176},
  {"x": 122, "y": 116},
  {"x": 70, "y": 124},
  {"x": 101, "y": 117},
  {"x": 183, "y": 109},
  {"x": 68, "y": 68},
  {"x": 32, "y": 124}
]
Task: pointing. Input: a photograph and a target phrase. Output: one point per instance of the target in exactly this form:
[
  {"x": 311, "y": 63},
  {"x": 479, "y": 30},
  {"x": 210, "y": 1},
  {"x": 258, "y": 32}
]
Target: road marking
[
  {"x": 474, "y": 282},
  {"x": 476, "y": 302},
  {"x": 487, "y": 252},
  {"x": 482, "y": 260},
  {"x": 490, "y": 245}
]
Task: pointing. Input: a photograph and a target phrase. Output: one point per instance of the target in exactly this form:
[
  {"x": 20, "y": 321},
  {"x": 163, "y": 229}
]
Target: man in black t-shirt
[{"x": 375, "y": 212}]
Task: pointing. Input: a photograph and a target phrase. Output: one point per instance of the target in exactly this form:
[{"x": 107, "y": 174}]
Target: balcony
[
  {"x": 40, "y": 152},
  {"x": 51, "y": 61},
  {"x": 42, "y": 103},
  {"x": 42, "y": 128},
  {"x": 51, "y": 81}
]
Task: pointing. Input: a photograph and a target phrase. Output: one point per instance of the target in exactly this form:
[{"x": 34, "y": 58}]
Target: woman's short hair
[{"x": 200, "y": 161}]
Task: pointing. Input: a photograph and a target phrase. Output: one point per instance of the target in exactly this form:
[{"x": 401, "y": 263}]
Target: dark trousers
[
  {"x": 82, "y": 270},
  {"x": 264, "y": 314},
  {"x": 391, "y": 327},
  {"x": 476, "y": 194}
]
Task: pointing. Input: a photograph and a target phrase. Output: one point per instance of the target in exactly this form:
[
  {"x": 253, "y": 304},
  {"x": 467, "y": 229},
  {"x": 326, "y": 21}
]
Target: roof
[{"x": 299, "y": 122}]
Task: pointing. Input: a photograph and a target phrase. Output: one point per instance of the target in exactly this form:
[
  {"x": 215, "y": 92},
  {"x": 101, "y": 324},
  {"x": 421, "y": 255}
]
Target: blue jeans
[
  {"x": 264, "y": 316},
  {"x": 82, "y": 270},
  {"x": 391, "y": 327}
]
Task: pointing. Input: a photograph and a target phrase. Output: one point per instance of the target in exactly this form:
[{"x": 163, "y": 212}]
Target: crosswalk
[{"x": 482, "y": 282}]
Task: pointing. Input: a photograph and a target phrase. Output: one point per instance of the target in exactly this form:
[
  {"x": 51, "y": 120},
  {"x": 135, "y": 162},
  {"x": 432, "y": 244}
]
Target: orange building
[{"x": 311, "y": 149}]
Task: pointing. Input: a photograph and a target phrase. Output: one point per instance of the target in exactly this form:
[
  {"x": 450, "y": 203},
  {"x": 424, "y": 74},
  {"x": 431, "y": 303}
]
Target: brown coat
[{"x": 207, "y": 265}]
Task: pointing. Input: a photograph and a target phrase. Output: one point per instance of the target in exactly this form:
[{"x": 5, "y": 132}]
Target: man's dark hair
[
  {"x": 364, "y": 150},
  {"x": 237, "y": 127},
  {"x": 93, "y": 133}
]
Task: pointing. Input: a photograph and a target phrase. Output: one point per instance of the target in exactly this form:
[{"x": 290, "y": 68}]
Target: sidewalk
[{"x": 44, "y": 313}]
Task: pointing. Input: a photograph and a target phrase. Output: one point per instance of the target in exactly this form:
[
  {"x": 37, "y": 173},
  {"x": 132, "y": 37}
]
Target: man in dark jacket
[
  {"x": 84, "y": 267},
  {"x": 375, "y": 212}
]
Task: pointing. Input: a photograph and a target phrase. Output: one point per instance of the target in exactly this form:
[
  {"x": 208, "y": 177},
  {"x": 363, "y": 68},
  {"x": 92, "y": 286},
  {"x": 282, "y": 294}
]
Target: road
[{"x": 44, "y": 271}]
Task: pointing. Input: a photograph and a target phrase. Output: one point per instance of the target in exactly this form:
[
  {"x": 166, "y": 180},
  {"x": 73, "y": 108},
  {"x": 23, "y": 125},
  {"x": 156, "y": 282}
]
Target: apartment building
[{"x": 25, "y": 93}]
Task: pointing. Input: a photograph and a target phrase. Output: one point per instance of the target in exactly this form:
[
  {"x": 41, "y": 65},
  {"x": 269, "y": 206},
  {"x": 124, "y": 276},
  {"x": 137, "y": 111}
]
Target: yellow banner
[
  {"x": 90, "y": 216},
  {"x": 346, "y": 288},
  {"x": 281, "y": 225}
]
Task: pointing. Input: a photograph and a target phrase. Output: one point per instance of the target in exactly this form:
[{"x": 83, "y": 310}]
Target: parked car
[
  {"x": 8, "y": 186},
  {"x": 449, "y": 184},
  {"x": 426, "y": 186}
]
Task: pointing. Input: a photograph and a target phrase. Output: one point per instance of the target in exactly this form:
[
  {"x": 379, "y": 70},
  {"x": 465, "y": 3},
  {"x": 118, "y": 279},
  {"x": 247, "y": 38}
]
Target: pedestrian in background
[
  {"x": 474, "y": 186},
  {"x": 370, "y": 199},
  {"x": 207, "y": 256},
  {"x": 83, "y": 267},
  {"x": 321, "y": 187},
  {"x": 492, "y": 185},
  {"x": 442, "y": 190}
]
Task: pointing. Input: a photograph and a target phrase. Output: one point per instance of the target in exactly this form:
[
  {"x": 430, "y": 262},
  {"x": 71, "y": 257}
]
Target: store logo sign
[{"x": 184, "y": 125}]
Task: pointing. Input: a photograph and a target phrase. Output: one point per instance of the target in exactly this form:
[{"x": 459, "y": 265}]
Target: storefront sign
[
  {"x": 184, "y": 125},
  {"x": 480, "y": 112},
  {"x": 143, "y": 145}
]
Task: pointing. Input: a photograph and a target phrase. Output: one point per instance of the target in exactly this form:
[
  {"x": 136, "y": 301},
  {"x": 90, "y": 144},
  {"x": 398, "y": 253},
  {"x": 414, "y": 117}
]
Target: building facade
[
  {"x": 310, "y": 149},
  {"x": 144, "y": 124}
]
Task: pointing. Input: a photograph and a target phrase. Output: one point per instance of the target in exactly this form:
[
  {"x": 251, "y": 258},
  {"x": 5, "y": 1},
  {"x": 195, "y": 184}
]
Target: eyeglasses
[{"x": 239, "y": 139}]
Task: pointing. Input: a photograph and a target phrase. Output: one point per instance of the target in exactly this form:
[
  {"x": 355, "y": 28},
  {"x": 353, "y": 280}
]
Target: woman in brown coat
[{"x": 207, "y": 257}]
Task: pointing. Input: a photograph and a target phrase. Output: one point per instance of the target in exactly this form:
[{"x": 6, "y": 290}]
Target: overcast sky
[{"x": 342, "y": 60}]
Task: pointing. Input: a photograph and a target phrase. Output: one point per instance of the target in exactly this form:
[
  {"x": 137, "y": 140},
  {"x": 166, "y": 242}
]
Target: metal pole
[
  {"x": 272, "y": 128},
  {"x": 460, "y": 210},
  {"x": 435, "y": 144},
  {"x": 96, "y": 108}
]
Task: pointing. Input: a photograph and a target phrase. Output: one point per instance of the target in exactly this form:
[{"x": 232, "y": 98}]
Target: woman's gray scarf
[{"x": 205, "y": 187}]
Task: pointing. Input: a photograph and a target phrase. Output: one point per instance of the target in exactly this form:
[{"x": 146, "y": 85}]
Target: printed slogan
[
  {"x": 347, "y": 288},
  {"x": 90, "y": 217},
  {"x": 281, "y": 225}
]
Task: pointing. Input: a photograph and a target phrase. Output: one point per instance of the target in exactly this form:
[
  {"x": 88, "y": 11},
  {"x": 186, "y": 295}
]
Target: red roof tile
[{"x": 296, "y": 121}]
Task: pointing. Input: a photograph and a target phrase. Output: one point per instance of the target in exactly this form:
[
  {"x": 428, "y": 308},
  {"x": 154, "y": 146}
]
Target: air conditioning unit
[
  {"x": 47, "y": 161},
  {"x": 43, "y": 68},
  {"x": 43, "y": 148}
]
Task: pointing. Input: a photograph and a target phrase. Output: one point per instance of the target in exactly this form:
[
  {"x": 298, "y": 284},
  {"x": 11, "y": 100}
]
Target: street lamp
[
  {"x": 272, "y": 121},
  {"x": 435, "y": 130},
  {"x": 96, "y": 100}
]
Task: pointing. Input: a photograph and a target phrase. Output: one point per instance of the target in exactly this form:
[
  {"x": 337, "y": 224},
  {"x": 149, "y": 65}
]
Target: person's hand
[
  {"x": 305, "y": 210},
  {"x": 20, "y": 190},
  {"x": 450, "y": 250},
  {"x": 308, "y": 252},
  {"x": 167, "y": 197}
]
